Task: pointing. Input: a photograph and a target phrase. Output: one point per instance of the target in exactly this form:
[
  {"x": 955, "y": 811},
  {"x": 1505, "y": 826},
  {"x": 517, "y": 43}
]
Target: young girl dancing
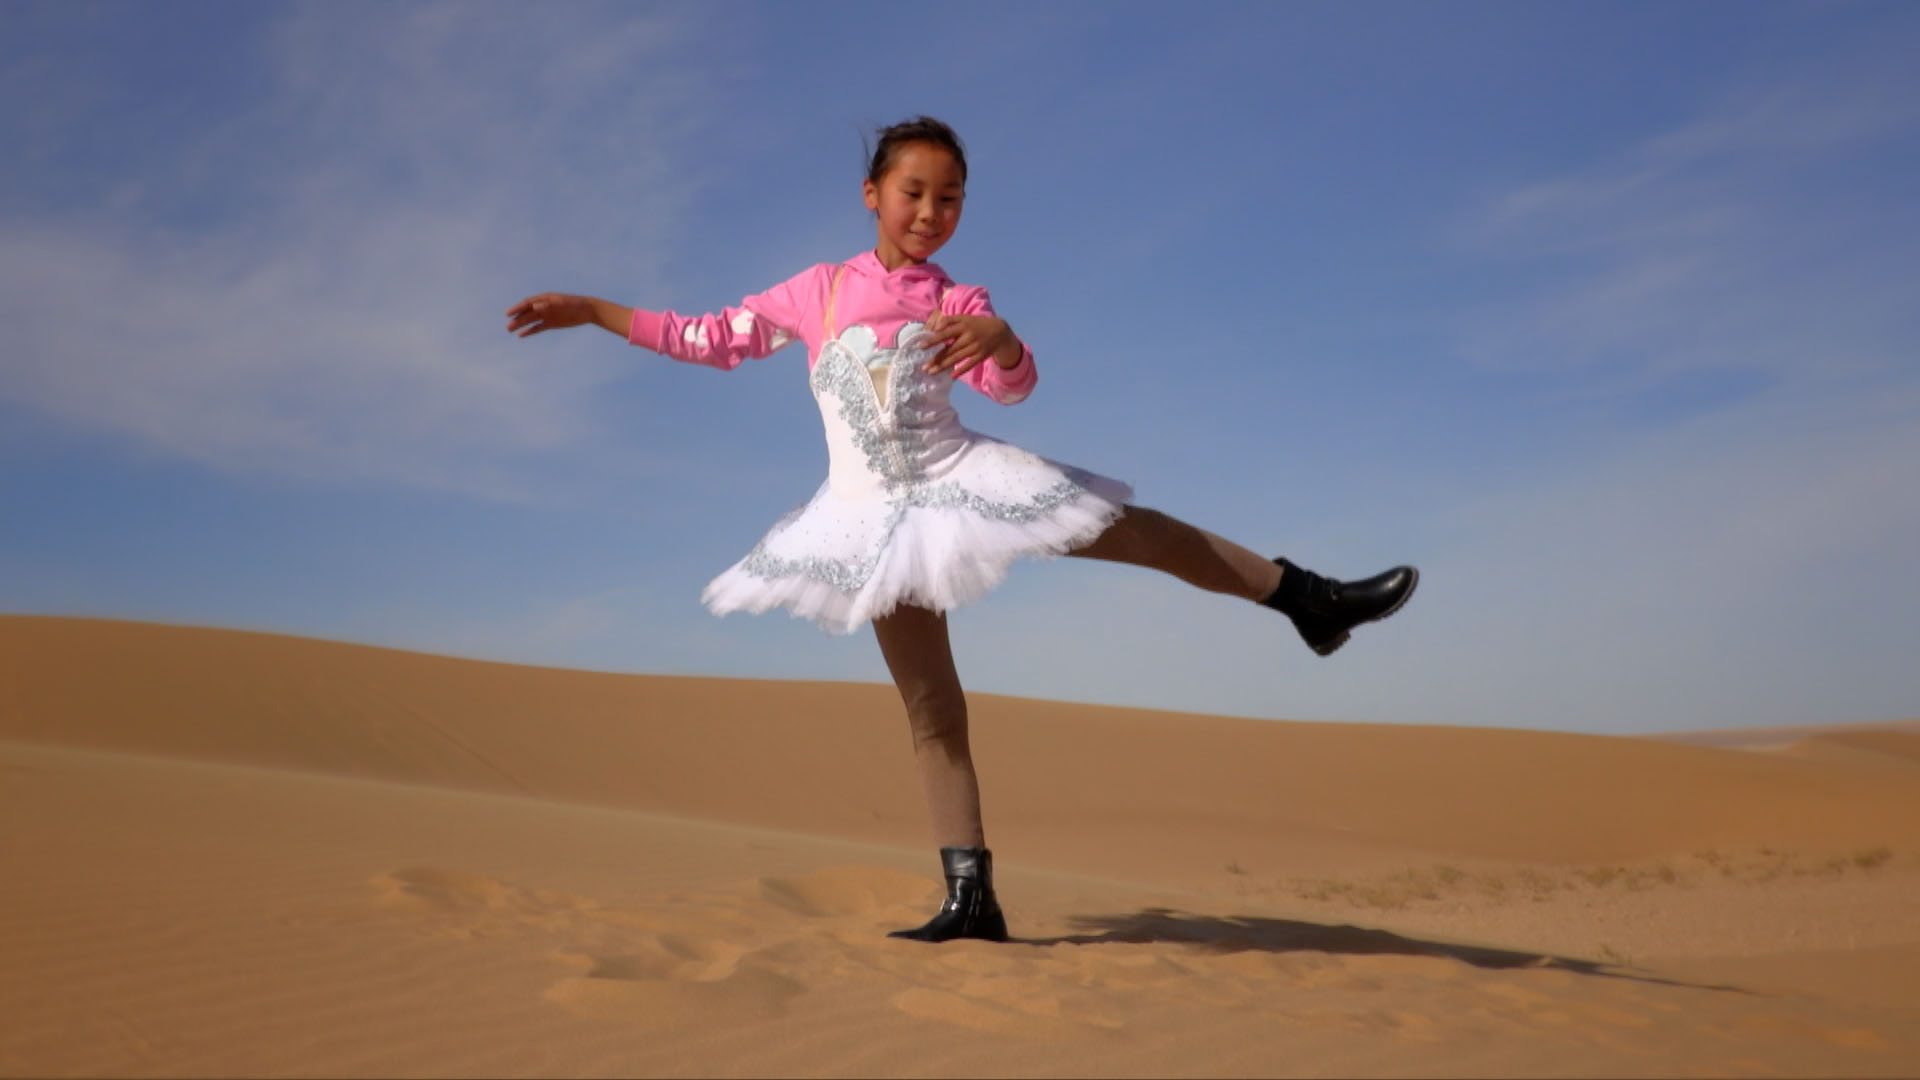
[{"x": 919, "y": 515}]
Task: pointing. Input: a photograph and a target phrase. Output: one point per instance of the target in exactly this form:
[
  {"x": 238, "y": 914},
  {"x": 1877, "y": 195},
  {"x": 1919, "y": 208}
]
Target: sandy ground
[{"x": 244, "y": 854}]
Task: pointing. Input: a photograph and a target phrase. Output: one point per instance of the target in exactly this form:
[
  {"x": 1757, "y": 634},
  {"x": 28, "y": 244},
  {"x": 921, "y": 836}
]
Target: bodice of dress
[{"x": 890, "y": 426}]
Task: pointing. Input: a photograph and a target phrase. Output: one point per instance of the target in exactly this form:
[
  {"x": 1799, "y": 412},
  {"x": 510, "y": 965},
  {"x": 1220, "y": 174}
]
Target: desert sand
[{"x": 242, "y": 854}]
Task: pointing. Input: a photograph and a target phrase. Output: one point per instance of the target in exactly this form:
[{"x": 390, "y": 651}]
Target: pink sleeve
[
  {"x": 759, "y": 326},
  {"x": 1008, "y": 386}
]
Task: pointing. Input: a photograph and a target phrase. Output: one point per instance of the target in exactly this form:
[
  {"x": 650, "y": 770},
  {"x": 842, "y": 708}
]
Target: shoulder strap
[{"x": 833, "y": 293}]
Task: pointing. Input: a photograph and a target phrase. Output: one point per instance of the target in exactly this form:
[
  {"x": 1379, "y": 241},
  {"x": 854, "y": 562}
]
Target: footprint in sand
[
  {"x": 848, "y": 890},
  {"x": 468, "y": 906},
  {"x": 1009, "y": 1015},
  {"x": 676, "y": 982},
  {"x": 1030, "y": 994},
  {"x": 657, "y": 977},
  {"x": 1133, "y": 968},
  {"x": 433, "y": 889}
]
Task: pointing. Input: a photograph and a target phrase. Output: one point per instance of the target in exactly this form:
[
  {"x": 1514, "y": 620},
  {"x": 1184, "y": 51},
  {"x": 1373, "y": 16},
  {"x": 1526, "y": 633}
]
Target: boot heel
[
  {"x": 991, "y": 928},
  {"x": 1329, "y": 646}
]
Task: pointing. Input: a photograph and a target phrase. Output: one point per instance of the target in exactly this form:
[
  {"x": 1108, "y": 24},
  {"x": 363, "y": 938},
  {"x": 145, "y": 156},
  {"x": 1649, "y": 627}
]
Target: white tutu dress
[{"x": 916, "y": 509}]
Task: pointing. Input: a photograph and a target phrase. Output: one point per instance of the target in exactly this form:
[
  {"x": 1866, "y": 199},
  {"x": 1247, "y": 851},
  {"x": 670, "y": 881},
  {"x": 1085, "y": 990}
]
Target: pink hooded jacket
[{"x": 797, "y": 310}]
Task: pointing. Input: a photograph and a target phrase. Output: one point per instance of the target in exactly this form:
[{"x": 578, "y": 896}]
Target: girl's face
[{"x": 916, "y": 204}]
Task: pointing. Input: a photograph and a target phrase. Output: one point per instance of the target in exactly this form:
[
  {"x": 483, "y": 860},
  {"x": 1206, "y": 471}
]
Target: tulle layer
[{"x": 845, "y": 562}]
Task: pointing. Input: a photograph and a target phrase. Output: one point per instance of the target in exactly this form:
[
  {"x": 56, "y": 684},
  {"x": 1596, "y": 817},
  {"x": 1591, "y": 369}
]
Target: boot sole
[
  {"x": 995, "y": 930},
  {"x": 1332, "y": 645}
]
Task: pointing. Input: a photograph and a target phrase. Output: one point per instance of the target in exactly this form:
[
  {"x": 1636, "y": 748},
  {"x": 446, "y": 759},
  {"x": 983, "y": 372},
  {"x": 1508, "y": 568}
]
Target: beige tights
[
  {"x": 914, "y": 642},
  {"x": 1152, "y": 539}
]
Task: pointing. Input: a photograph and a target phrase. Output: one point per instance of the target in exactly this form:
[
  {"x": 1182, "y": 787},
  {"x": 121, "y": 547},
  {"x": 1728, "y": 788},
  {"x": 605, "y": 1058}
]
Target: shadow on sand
[{"x": 1240, "y": 933}]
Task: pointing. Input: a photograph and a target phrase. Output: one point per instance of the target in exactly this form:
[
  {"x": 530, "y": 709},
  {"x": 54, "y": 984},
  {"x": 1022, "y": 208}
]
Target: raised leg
[
  {"x": 1323, "y": 610},
  {"x": 1145, "y": 537}
]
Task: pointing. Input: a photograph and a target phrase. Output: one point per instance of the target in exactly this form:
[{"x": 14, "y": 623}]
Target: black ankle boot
[
  {"x": 971, "y": 910},
  {"x": 1325, "y": 610}
]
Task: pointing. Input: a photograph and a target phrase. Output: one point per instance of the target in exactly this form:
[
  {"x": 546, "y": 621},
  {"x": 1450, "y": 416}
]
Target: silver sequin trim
[{"x": 890, "y": 450}]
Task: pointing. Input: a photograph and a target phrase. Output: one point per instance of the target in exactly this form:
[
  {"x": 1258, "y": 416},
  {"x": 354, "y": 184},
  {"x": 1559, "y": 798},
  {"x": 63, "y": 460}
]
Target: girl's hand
[
  {"x": 969, "y": 341},
  {"x": 549, "y": 311}
]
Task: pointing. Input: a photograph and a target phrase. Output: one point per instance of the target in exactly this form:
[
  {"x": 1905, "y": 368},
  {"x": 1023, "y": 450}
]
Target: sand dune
[{"x": 241, "y": 854}]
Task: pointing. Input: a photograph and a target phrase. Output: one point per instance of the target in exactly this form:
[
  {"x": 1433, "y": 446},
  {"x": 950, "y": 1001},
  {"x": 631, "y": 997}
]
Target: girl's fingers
[
  {"x": 531, "y": 303},
  {"x": 529, "y": 316},
  {"x": 943, "y": 328},
  {"x": 961, "y": 359},
  {"x": 947, "y": 356},
  {"x": 957, "y": 342}
]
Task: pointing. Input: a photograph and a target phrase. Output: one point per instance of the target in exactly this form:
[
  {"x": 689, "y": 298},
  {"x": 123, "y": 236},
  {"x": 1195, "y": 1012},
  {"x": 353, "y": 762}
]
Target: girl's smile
[{"x": 916, "y": 204}]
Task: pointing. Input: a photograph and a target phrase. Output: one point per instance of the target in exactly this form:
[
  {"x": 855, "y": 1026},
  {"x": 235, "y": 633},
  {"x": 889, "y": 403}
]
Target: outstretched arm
[
  {"x": 557, "y": 311},
  {"x": 759, "y": 326}
]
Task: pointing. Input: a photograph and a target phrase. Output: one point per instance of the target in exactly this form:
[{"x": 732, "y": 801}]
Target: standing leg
[
  {"x": 1322, "y": 610},
  {"x": 920, "y": 658},
  {"x": 914, "y": 642}
]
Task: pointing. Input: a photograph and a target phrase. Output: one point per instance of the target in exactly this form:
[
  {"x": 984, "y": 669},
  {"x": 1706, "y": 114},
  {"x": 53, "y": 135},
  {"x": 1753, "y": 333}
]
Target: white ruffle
[{"x": 934, "y": 556}]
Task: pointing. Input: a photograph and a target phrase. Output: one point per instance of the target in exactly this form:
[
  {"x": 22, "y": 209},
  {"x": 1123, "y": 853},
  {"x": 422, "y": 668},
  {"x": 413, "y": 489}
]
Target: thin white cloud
[
  {"x": 1746, "y": 558},
  {"x": 339, "y": 315},
  {"x": 1723, "y": 570},
  {"x": 1758, "y": 237}
]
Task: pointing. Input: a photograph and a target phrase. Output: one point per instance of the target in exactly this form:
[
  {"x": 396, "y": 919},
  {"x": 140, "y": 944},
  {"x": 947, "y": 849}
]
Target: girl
[{"x": 919, "y": 515}]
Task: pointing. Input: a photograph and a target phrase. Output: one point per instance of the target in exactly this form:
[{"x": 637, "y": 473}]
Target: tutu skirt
[
  {"x": 916, "y": 509},
  {"x": 843, "y": 562}
]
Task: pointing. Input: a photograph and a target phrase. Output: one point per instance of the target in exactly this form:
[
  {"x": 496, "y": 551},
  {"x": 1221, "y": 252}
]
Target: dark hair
[{"x": 920, "y": 129}]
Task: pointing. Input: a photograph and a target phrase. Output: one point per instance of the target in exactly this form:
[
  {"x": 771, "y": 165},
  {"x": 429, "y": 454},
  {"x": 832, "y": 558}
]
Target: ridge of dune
[
  {"x": 1189, "y": 791},
  {"x": 1891, "y": 745},
  {"x": 1780, "y": 736},
  {"x": 1885, "y": 749},
  {"x": 1894, "y": 744}
]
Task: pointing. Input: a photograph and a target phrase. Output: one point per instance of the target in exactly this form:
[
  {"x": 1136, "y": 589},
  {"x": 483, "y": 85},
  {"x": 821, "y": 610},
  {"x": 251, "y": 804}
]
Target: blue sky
[{"x": 1605, "y": 315}]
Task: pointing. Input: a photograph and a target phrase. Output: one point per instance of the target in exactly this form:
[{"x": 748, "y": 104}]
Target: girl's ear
[{"x": 870, "y": 193}]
